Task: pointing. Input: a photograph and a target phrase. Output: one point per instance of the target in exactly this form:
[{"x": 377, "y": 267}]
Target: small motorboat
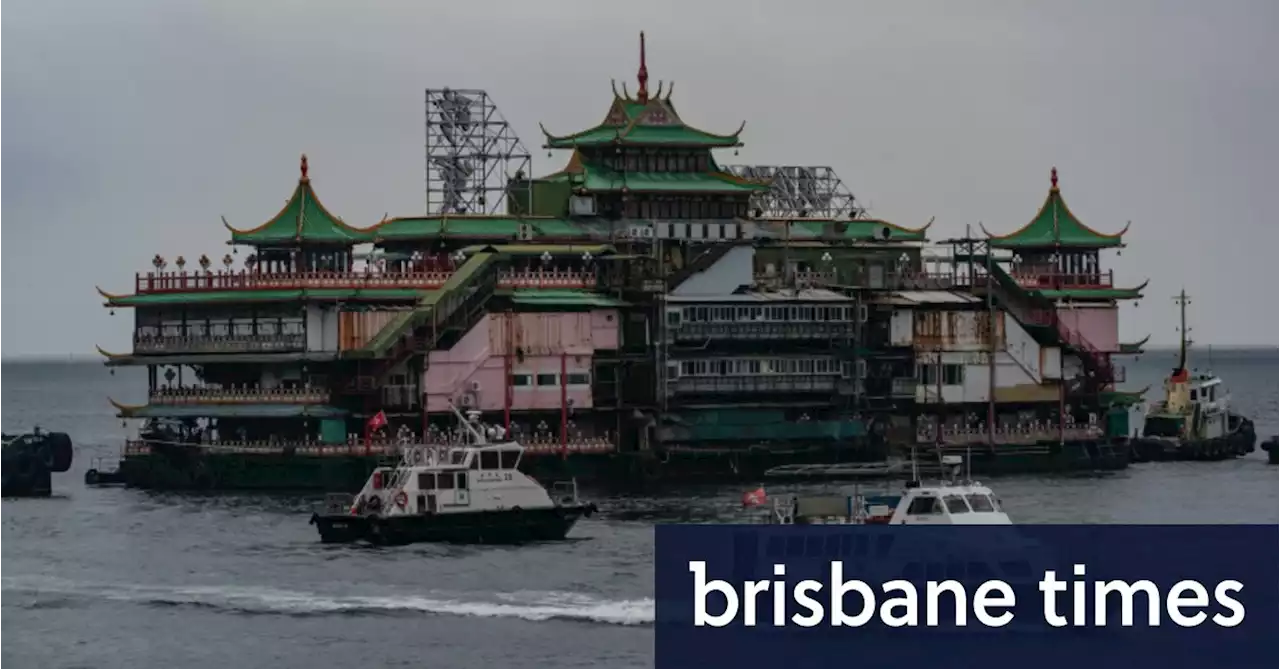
[
  {"x": 459, "y": 493},
  {"x": 949, "y": 502}
]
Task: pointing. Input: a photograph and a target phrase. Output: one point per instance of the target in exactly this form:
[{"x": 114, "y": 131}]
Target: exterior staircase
[
  {"x": 1037, "y": 314},
  {"x": 699, "y": 263},
  {"x": 455, "y": 307}
]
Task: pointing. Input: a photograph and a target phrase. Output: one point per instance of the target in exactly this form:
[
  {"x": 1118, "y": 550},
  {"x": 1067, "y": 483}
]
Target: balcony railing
[
  {"x": 172, "y": 396},
  {"x": 275, "y": 343},
  {"x": 797, "y": 279},
  {"x": 187, "y": 282},
  {"x": 1063, "y": 281}
]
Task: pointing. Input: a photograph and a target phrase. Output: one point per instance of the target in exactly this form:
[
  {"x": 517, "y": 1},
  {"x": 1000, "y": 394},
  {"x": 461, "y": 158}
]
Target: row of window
[
  {"x": 693, "y": 209},
  {"x": 223, "y": 328},
  {"x": 977, "y": 502},
  {"x": 757, "y": 366},
  {"x": 657, "y": 162},
  {"x": 952, "y": 375},
  {"x": 762, "y": 314},
  {"x": 550, "y": 380}
]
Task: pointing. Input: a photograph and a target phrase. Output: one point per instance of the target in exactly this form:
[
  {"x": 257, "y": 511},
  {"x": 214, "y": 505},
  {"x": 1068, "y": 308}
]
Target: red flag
[
  {"x": 379, "y": 420},
  {"x": 754, "y": 498}
]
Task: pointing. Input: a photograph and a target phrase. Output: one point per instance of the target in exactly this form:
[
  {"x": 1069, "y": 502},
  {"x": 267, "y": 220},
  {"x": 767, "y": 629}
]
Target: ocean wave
[{"x": 540, "y": 606}]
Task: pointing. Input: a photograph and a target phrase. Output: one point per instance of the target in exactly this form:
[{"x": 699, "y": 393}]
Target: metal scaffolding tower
[
  {"x": 799, "y": 191},
  {"x": 472, "y": 153}
]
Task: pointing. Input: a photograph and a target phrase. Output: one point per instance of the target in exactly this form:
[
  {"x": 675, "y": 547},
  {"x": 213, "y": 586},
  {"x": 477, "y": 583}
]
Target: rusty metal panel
[{"x": 356, "y": 328}]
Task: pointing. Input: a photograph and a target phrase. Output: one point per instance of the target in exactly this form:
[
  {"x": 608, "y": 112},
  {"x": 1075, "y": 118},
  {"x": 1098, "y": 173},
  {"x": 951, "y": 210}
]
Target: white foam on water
[{"x": 532, "y": 606}]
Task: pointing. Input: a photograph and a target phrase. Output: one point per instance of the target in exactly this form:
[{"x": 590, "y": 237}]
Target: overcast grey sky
[{"x": 133, "y": 125}]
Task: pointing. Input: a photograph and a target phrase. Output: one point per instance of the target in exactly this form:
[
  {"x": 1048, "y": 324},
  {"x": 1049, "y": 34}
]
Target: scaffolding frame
[
  {"x": 800, "y": 192},
  {"x": 472, "y": 153}
]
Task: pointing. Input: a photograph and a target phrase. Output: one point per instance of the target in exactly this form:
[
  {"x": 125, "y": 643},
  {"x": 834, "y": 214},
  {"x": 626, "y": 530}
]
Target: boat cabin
[
  {"x": 961, "y": 504},
  {"x": 946, "y": 504},
  {"x": 432, "y": 480},
  {"x": 1195, "y": 406}
]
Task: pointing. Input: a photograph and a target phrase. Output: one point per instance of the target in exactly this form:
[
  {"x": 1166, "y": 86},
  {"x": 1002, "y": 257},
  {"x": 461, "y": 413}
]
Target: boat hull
[
  {"x": 190, "y": 469},
  {"x": 1220, "y": 448},
  {"x": 509, "y": 526}
]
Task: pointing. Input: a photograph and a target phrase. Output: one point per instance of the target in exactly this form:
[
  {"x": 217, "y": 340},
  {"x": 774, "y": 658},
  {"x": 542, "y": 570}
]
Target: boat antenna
[
  {"x": 467, "y": 424},
  {"x": 1183, "y": 342}
]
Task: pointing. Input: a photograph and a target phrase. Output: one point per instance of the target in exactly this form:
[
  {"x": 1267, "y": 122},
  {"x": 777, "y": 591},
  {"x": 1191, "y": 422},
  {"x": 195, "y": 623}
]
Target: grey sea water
[{"x": 111, "y": 578}]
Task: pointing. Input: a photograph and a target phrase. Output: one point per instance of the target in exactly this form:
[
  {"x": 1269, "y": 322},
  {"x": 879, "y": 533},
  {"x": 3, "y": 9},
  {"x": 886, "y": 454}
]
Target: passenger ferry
[{"x": 471, "y": 493}]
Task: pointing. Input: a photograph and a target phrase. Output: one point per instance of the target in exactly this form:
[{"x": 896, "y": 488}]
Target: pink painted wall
[
  {"x": 553, "y": 334},
  {"x": 475, "y": 365},
  {"x": 1100, "y": 325}
]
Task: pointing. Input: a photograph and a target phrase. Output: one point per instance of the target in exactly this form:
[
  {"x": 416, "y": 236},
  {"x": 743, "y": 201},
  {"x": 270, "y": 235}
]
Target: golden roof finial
[
  {"x": 303, "y": 167},
  {"x": 1053, "y": 178},
  {"x": 642, "y": 95}
]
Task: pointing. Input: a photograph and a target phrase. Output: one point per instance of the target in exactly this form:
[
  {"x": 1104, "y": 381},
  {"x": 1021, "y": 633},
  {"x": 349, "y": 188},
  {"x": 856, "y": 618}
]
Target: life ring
[{"x": 402, "y": 499}]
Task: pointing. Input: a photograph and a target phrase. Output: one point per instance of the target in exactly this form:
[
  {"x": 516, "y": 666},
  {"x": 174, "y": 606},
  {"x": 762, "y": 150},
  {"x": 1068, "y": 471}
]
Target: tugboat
[
  {"x": 466, "y": 493},
  {"x": 950, "y": 502},
  {"x": 29, "y": 459},
  {"x": 1194, "y": 421}
]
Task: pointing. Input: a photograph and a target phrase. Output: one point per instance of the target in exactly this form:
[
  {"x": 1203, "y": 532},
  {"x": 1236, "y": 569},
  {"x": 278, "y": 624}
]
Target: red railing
[
  {"x": 1095, "y": 361},
  {"x": 187, "y": 282},
  {"x": 1063, "y": 281}
]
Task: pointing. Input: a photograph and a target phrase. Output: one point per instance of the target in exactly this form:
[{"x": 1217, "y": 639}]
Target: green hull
[{"x": 347, "y": 473}]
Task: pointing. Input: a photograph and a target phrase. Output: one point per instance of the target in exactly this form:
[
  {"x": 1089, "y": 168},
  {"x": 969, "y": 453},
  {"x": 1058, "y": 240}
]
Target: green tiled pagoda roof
[
  {"x": 302, "y": 220},
  {"x": 1055, "y": 226},
  {"x": 228, "y": 411},
  {"x": 1092, "y": 293},
  {"x": 643, "y": 121},
  {"x": 221, "y": 296},
  {"x": 530, "y": 297},
  {"x": 1134, "y": 347},
  {"x": 474, "y": 227},
  {"x": 581, "y": 173}
]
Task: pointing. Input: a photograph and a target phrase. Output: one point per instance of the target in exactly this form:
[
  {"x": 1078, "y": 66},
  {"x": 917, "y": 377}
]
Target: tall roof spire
[
  {"x": 642, "y": 95},
  {"x": 1053, "y": 178},
  {"x": 302, "y": 167}
]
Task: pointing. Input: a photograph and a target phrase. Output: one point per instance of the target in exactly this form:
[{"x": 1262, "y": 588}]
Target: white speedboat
[
  {"x": 949, "y": 502},
  {"x": 469, "y": 493}
]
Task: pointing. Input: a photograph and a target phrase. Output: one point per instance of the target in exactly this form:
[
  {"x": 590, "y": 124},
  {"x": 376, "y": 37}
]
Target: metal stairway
[
  {"x": 455, "y": 306},
  {"x": 1039, "y": 313}
]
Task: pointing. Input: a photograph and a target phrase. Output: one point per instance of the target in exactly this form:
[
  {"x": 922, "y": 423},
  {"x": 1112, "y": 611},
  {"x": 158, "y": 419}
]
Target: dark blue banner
[{"x": 1031, "y": 596}]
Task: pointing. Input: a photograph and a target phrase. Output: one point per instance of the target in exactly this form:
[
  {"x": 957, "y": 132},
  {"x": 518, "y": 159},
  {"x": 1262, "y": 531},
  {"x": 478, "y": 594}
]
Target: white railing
[{"x": 172, "y": 396}]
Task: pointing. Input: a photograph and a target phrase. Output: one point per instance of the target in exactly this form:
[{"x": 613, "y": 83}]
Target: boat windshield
[
  {"x": 956, "y": 504},
  {"x": 981, "y": 503}
]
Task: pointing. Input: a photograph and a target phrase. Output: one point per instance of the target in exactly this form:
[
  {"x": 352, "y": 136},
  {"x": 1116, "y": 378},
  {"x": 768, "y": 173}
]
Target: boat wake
[{"x": 532, "y": 606}]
